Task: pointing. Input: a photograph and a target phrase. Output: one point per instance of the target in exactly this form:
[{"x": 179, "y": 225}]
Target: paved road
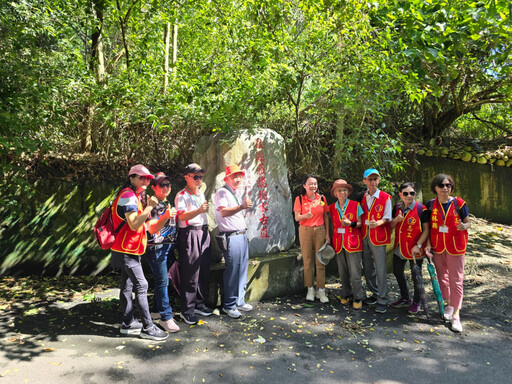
[{"x": 280, "y": 341}]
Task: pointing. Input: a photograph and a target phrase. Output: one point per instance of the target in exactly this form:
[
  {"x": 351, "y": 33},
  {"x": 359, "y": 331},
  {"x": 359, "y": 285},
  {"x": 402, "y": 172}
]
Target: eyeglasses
[
  {"x": 165, "y": 185},
  {"x": 144, "y": 177},
  {"x": 441, "y": 185},
  {"x": 373, "y": 179},
  {"x": 408, "y": 193}
]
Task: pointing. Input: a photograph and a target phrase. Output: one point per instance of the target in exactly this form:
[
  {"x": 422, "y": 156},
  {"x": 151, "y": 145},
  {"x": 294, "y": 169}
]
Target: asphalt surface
[{"x": 280, "y": 341}]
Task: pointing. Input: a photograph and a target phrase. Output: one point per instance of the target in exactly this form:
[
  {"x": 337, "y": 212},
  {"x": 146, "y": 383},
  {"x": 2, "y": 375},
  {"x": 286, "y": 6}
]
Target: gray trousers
[
  {"x": 235, "y": 274},
  {"x": 349, "y": 268},
  {"x": 132, "y": 279},
  {"x": 374, "y": 266}
]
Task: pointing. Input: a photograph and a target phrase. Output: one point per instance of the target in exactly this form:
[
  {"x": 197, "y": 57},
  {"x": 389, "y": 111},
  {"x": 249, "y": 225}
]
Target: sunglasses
[
  {"x": 165, "y": 185},
  {"x": 197, "y": 177},
  {"x": 408, "y": 193},
  {"x": 441, "y": 185},
  {"x": 144, "y": 177}
]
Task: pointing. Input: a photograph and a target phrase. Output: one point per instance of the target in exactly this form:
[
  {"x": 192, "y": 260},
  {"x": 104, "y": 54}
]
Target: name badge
[
  {"x": 443, "y": 229},
  {"x": 366, "y": 222},
  {"x": 341, "y": 230}
]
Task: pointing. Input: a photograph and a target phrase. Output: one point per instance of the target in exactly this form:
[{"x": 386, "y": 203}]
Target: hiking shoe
[
  {"x": 346, "y": 301},
  {"x": 401, "y": 303},
  {"x": 311, "y": 294},
  {"x": 189, "y": 319},
  {"x": 448, "y": 313},
  {"x": 133, "y": 329},
  {"x": 203, "y": 311},
  {"x": 381, "y": 308},
  {"x": 169, "y": 325},
  {"x": 370, "y": 300},
  {"x": 153, "y": 333},
  {"x": 245, "y": 308},
  {"x": 155, "y": 315},
  {"x": 233, "y": 313},
  {"x": 357, "y": 304},
  {"x": 320, "y": 294},
  {"x": 456, "y": 325},
  {"x": 414, "y": 308}
]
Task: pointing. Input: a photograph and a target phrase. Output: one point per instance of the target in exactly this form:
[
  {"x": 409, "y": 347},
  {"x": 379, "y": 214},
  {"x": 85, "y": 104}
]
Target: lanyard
[
  {"x": 229, "y": 189},
  {"x": 193, "y": 195},
  {"x": 443, "y": 213},
  {"x": 340, "y": 211}
]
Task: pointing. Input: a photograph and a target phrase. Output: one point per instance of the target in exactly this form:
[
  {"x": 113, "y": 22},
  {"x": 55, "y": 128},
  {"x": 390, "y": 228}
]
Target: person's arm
[
  {"x": 425, "y": 231},
  {"x": 396, "y": 219},
  {"x": 134, "y": 220},
  {"x": 326, "y": 224},
  {"x": 185, "y": 216},
  {"x": 156, "y": 225},
  {"x": 385, "y": 217},
  {"x": 225, "y": 211}
]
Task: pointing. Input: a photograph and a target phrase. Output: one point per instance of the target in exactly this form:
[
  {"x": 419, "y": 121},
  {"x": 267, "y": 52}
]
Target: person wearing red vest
[
  {"x": 411, "y": 223},
  {"x": 129, "y": 245},
  {"x": 376, "y": 232},
  {"x": 347, "y": 242},
  {"x": 449, "y": 224},
  {"x": 311, "y": 212}
]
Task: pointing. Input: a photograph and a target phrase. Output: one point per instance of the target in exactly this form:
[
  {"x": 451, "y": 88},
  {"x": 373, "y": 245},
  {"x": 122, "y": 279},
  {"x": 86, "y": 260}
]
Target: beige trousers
[{"x": 311, "y": 239}]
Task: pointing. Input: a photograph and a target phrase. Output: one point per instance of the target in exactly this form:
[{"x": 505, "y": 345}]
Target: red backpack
[{"x": 104, "y": 229}]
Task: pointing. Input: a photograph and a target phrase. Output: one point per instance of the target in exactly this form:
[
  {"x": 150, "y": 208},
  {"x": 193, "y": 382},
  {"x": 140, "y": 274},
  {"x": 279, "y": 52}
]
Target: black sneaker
[
  {"x": 154, "y": 333},
  {"x": 381, "y": 308},
  {"x": 133, "y": 329},
  {"x": 189, "y": 319},
  {"x": 203, "y": 311},
  {"x": 370, "y": 300}
]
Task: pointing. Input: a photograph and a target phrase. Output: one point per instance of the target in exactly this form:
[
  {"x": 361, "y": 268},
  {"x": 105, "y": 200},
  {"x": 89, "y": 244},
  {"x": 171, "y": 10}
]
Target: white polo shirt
[
  {"x": 226, "y": 197},
  {"x": 186, "y": 201}
]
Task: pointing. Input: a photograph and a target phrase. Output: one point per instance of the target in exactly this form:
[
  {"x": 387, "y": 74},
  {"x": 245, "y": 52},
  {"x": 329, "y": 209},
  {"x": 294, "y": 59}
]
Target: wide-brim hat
[
  {"x": 325, "y": 253},
  {"x": 232, "y": 169},
  {"x": 140, "y": 170},
  {"x": 340, "y": 183},
  {"x": 159, "y": 177},
  {"x": 193, "y": 168}
]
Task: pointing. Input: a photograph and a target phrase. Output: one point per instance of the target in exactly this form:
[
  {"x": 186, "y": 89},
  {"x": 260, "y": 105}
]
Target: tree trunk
[
  {"x": 167, "y": 38},
  {"x": 174, "y": 49}
]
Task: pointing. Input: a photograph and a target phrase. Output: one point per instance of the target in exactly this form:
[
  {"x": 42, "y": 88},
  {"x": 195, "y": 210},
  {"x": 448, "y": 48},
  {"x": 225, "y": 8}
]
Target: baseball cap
[
  {"x": 159, "y": 176},
  {"x": 193, "y": 168},
  {"x": 140, "y": 170},
  {"x": 370, "y": 171}
]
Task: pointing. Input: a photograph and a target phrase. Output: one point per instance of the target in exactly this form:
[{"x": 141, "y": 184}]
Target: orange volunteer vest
[
  {"x": 351, "y": 240},
  {"x": 454, "y": 241},
  {"x": 382, "y": 234},
  {"x": 408, "y": 232},
  {"x": 127, "y": 240}
]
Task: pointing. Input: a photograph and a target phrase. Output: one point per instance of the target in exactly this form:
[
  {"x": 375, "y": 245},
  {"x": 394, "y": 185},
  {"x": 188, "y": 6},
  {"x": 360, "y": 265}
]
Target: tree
[{"x": 456, "y": 55}]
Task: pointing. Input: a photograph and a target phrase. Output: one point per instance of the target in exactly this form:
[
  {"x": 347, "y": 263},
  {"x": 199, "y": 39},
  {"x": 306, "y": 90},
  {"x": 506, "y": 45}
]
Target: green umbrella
[{"x": 436, "y": 287}]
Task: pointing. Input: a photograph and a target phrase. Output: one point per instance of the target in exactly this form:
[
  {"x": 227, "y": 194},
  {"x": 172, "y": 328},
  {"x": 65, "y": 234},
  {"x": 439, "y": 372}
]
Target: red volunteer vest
[
  {"x": 455, "y": 241},
  {"x": 408, "y": 232},
  {"x": 382, "y": 234},
  {"x": 127, "y": 240},
  {"x": 351, "y": 241}
]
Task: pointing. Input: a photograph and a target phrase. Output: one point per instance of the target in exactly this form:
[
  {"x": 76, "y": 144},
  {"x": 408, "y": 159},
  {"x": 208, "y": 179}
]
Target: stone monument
[{"x": 260, "y": 153}]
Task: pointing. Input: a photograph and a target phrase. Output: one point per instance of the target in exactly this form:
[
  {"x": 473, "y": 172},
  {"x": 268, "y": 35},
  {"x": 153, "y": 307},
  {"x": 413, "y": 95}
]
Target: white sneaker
[
  {"x": 322, "y": 296},
  {"x": 233, "y": 313},
  {"x": 311, "y": 294},
  {"x": 456, "y": 325},
  {"x": 169, "y": 325},
  {"x": 448, "y": 313},
  {"x": 246, "y": 307}
]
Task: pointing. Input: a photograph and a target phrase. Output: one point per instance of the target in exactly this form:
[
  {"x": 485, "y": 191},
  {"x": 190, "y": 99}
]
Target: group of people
[
  {"x": 362, "y": 230},
  {"x": 147, "y": 226}
]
